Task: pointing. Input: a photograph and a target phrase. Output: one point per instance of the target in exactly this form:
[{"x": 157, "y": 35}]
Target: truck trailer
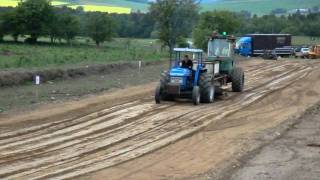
[{"x": 259, "y": 44}]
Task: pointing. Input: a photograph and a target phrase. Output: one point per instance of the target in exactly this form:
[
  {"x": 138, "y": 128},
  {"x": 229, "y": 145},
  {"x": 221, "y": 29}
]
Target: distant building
[{"x": 299, "y": 11}]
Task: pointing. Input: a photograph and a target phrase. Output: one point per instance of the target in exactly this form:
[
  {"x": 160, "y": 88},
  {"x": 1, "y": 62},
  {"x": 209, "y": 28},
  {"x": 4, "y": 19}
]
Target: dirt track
[
  {"x": 293, "y": 156},
  {"x": 95, "y": 137}
]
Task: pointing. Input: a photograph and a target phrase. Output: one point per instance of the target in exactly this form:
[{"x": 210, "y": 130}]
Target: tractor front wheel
[
  {"x": 165, "y": 78},
  {"x": 157, "y": 95},
  {"x": 196, "y": 95},
  {"x": 237, "y": 80}
]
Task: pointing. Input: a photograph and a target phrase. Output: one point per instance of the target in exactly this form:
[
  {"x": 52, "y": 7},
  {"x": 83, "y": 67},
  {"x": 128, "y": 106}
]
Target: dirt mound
[{"x": 11, "y": 78}]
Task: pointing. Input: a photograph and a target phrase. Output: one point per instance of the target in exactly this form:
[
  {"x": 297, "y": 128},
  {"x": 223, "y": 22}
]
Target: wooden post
[{"x": 37, "y": 81}]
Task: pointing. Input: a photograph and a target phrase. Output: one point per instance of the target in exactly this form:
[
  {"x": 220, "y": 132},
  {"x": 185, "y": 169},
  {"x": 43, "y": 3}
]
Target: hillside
[
  {"x": 254, "y": 6},
  {"x": 258, "y": 7}
]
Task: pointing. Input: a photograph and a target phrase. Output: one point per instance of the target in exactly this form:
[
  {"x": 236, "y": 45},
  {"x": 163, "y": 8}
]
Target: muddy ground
[
  {"x": 125, "y": 135},
  {"x": 293, "y": 156}
]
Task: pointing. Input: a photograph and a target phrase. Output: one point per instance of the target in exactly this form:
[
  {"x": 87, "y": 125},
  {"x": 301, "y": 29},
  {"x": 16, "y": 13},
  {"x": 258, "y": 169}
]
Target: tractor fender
[{"x": 197, "y": 75}]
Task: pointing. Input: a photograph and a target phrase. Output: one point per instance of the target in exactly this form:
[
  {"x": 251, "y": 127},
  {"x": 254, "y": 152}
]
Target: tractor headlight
[{"x": 176, "y": 80}]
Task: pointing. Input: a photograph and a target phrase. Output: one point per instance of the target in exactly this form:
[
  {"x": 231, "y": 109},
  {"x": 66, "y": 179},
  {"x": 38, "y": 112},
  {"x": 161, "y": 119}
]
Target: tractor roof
[{"x": 188, "y": 50}]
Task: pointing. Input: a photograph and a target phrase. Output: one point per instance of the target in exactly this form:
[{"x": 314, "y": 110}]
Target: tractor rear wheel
[
  {"x": 237, "y": 78},
  {"x": 196, "y": 95},
  {"x": 206, "y": 88}
]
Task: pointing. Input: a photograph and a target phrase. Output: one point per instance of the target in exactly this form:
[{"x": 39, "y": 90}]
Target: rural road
[{"x": 125, "y": 135}]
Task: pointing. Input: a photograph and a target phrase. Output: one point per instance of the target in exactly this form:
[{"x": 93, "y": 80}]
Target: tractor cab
[
  {"x": 221, "y": 50},
  {"x": 185, "y": 66}
]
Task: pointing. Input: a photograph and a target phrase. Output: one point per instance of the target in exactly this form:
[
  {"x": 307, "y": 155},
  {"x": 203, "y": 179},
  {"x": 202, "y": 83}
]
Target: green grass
[
  {"x": 84, "y": 52},
  {"x": 304, "y": 40},
  {"x": 259, "y": 7},
  {"x": 45, "y": 55}
]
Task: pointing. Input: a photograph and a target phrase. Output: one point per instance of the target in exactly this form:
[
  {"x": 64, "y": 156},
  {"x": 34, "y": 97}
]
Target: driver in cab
[{"x": 186, "y": 62}]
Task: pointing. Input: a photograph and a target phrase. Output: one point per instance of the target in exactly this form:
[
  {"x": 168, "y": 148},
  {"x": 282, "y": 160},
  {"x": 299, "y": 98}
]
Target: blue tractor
[{"x": 205, "y": 78}]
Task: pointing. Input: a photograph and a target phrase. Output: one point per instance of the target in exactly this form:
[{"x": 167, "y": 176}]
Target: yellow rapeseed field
[
  {"x": 8, "y": 3},
  {"x": 109, "y": 9},
  {"x": 14, "y": 3},
  {"x": 58, "y": 3}
]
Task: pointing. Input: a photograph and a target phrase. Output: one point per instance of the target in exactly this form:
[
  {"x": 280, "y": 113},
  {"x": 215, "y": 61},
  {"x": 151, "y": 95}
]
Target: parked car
[{"x": 302, "y": 53}]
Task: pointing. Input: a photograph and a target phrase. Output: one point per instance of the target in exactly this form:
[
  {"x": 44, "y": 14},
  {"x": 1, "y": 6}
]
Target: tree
[
  {"x": 137, "y": 24},
  {"x": 244, "y": 14},
  {"x": 175, "y": 19},
  {"x": 69, "y": 25},
  {"x": 100, "y": 27},
  {"x": 311, "y": 26},
  {"x": 2, "y": 30},
  {"x": 65, "y": 25},
  {"x": 34, "y": 16},
  {"x": 55, "y": 29},
  {"x": 11, "y": 24},
  {"x": 220, "y": 21}
]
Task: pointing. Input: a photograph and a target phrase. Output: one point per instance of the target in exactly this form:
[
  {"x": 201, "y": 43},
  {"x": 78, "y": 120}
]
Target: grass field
[
  {"x": 46, "y": 55},
  {"x": 303, "y": 40},
  {"x": 259, "y": 7},
  {"x": 85, "y": 52}
]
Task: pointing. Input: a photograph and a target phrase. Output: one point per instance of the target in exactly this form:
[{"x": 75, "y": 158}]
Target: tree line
[
  {"x": 180, "y": 19},
  {"x": 38, "y": 18},
  {"x": 240, "y": 24},
  {"x": 171, "y": 21}
]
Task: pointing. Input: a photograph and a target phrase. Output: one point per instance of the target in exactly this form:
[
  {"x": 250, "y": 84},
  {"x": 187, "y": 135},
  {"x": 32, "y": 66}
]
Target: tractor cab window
[{"x": 219, "y": 48}]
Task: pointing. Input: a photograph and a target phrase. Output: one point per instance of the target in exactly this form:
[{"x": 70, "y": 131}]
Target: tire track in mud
[
  {"x": 75, "y": 138},
  {"x": 60, "y": 124},
  {"x": 216, "y": 116},
  {"x": 89, "y": 145}
]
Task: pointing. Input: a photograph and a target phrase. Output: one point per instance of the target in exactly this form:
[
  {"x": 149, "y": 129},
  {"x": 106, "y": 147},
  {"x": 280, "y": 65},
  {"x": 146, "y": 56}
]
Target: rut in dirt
[{"x": 68, "y": 148}]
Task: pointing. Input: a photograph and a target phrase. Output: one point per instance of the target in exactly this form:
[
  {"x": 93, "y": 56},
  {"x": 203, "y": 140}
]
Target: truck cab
[{"x": 243, "y": 46}]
